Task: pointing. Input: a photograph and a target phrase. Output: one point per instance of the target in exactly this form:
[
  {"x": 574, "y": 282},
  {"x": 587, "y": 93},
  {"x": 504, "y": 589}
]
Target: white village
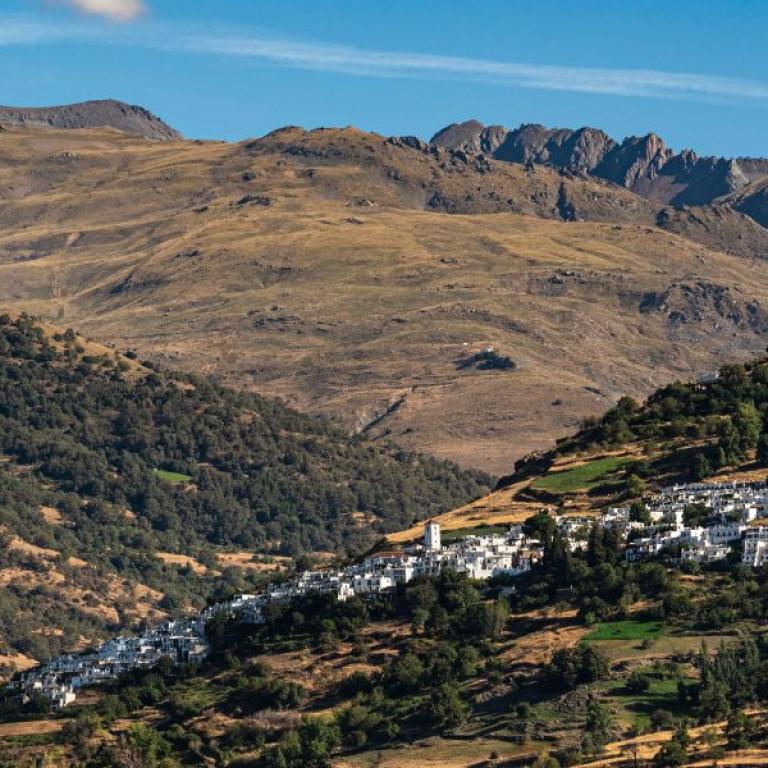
[{"x": 726, "y": 521}]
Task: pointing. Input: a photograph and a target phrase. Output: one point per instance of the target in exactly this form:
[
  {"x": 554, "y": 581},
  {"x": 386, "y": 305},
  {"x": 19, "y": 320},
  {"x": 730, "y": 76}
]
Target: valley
[
  {"x": 585, "y": 658},
  {"x": 237, "y": 378}
]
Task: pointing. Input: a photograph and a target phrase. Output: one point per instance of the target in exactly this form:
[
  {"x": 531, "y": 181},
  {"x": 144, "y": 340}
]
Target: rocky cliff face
[
  {"x": 580, "y": 150},
  {"x": 91, "y": 114},
  {"x": 471, "y": 136},
  {"x": 752, "y": 200},
  {"x": 635, "y": 162},
  {"x": 642, "y": 164}
]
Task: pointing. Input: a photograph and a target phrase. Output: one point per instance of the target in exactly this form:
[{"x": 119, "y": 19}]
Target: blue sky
[{"x": 694, "y": 72}]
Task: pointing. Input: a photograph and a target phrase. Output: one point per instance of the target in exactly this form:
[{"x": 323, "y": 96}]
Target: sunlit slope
[{"x": 323, "y": 268}]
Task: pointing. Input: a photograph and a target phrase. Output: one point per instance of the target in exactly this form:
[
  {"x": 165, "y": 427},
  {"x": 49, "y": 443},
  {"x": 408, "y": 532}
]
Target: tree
[
  {"x": 596, "y": 545},
  {"x": 748, "y": 422},
  {"x": 419, "y": 619},
  {"x": 633, "y": 748},
  {"x": 599, "y": 723},
  {"x": 671, "y": 754},
  {"x": 635, "y": 486},
  {"x": 311, "y": 746},
  {"x": 681, "y": 735},
  {"x": 545, "y": 760},
  {"x": 713, "y": 698},
  {"x": 739, "y": 729},
  {"x": 638, "y": 682},
  {"x": 572, "y": 666},
  {"x": 143, "y": 747},
  {"x": 638, "y": 513},
  {"x": 700, "y": 468},
  {"x": 730, "y": 445},
  {"x": 594, "y": 665},
  {"x": 79, "y": 733},
  {"x": 762, "y": 450},
  {"x": 711, "y": 738},
  {"x": 494, "y": 618},
  {"x": 540, "y": 526},
  {"x": 557, "y": 559},
  {"x": 318, "y": 738},
  {"x": 446, "y": 709},
  {"x": 661, "y": 719},
  {"x": 407, "y": 672}
]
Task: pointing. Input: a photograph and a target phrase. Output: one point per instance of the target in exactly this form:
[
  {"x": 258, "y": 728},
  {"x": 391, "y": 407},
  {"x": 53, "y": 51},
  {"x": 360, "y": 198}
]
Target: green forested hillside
[
  {"x": 684, "y": 432},
  {"x": 131, "y": 462}
]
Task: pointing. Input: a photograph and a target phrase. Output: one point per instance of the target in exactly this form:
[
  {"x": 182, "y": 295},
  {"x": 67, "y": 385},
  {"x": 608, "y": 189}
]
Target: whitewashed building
[{"x": 755, "y": 546}]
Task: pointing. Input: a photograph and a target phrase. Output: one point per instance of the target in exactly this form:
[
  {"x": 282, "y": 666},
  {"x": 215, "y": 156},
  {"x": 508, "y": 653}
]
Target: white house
[{"x": 755, "y": 546}]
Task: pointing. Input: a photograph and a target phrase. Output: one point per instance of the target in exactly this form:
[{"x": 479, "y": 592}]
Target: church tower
[{"x": 432, "y": 535}]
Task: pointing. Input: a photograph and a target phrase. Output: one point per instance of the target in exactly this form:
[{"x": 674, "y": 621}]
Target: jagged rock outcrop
[
  {"x": 752, "y": 200},
  {"x": 580, "y": 150},
  {"x": 471, "y": 136},
  {"x": 634, "y": 162},
  {"x": 643, "y": 164},
  {"x": 107, "y": 113}
]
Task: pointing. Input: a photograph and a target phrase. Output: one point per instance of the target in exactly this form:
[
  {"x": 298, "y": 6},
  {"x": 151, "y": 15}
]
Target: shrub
[{"x": 638, "y": 682}]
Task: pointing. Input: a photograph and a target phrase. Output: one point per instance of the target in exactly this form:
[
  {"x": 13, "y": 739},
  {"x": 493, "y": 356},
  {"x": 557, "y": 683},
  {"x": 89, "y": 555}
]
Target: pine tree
[
  {"x": 762, "y": 450},
  {"x": 700, "y": 468}
]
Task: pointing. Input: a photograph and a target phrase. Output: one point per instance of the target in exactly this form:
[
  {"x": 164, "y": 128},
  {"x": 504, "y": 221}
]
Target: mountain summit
[{"x": 106, "y": 113}]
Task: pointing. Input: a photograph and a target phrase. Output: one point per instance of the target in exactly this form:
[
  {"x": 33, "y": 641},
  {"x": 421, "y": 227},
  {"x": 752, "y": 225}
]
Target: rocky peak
[
  {"x": 587, "y": 147},
  {"x": 635, "y": 159},
  {"x": 735, "y": 178},
  {"x": 462, "y": 136},
  {"x": 687, "y": 160},
  {"x": 470, "y": 136}
]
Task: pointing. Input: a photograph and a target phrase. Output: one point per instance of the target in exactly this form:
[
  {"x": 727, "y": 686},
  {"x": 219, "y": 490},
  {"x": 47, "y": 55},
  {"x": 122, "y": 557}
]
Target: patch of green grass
[
  {"x": 583, "y": 477},
  {"x": 626, "y": 630},
  {"x": 661, "y": 694},
  {"x": 172, "y": 477}
]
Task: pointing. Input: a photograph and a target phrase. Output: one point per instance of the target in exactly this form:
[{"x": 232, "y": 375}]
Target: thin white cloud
[
  {"x": 359, "y": 62},
  {"x": 356, "y": 61},
  {"x": 116, "y": 10}
]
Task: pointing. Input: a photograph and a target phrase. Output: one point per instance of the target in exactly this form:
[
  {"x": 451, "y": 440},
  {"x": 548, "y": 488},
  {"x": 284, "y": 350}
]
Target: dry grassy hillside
[{"x": 322, "y": 267}]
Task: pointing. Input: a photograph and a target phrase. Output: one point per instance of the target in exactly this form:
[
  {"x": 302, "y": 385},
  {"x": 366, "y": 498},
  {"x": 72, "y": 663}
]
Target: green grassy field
[
  {"x": 626, "y": 630},
  {"x": 172, "y": 477},
  {"x": 661, "y": 694},
  {"x": 583, "y": 477}
]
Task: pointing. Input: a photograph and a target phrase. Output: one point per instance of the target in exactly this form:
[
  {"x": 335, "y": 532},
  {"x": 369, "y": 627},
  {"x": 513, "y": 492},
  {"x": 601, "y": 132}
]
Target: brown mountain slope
[{"x": 321, "y": 267}]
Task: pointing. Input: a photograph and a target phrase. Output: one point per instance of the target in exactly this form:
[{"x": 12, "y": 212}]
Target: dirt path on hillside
[{"x": 30, "y": 728}]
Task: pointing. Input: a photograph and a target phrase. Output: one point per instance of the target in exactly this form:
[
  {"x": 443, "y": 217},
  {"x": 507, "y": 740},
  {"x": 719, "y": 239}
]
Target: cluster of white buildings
[
  {"x": 181, "y": 641},
  {"x": 184, "y": 640},
  {"x": 726, "y": 513},
  {"x": 480, "y": 557}
]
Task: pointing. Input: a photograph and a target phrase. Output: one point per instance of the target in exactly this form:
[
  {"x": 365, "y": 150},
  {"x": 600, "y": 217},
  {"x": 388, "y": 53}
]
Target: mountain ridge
[
  {"x": 100, "y": 113},
  {"x": 643, "y": 164}
]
